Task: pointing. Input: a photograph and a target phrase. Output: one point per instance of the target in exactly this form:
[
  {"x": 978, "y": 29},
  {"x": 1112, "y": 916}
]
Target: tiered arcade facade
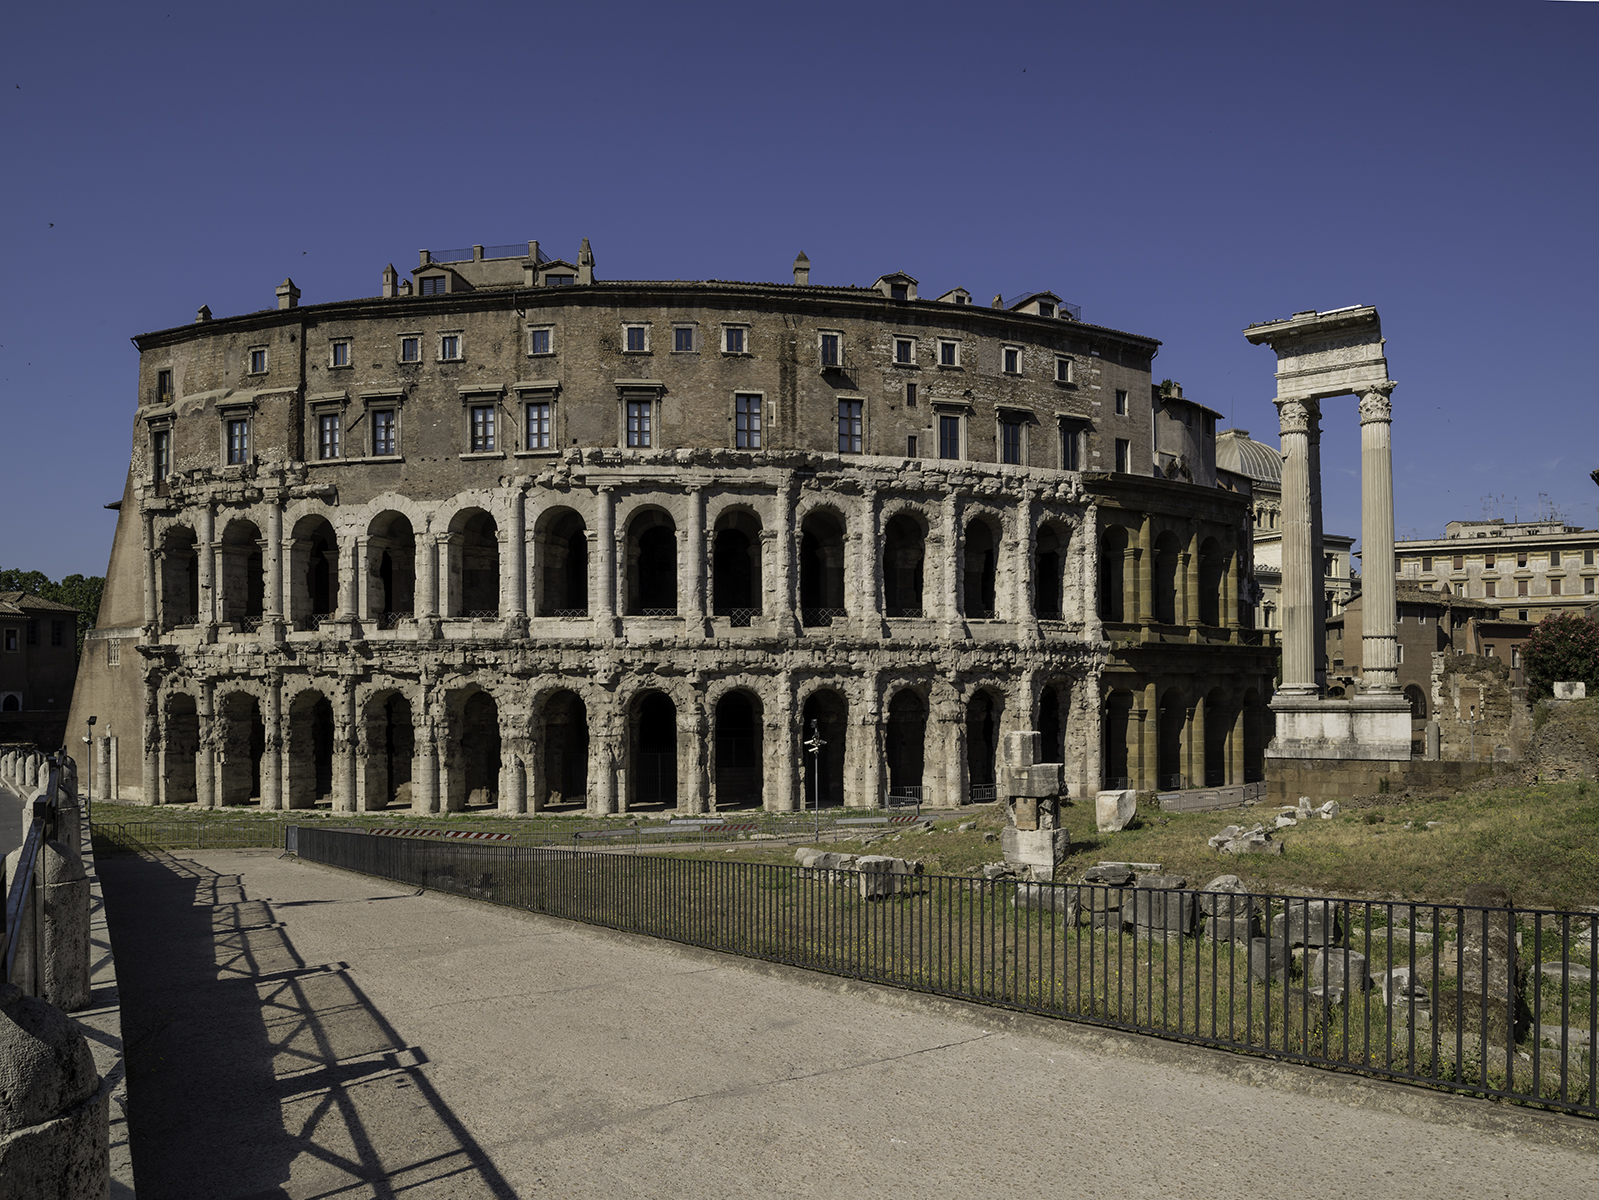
[{"x": 513, "y": 538}]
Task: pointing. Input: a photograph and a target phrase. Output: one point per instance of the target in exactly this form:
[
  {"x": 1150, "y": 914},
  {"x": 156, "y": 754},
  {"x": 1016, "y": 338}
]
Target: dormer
[
  {"x": 1037, "y": 304},
  {"x": 556, "y": 272},
  {"x": 956, "y": 296},
  {"x": 898, "y": 286},
  {"x": 436, "y": 279}
]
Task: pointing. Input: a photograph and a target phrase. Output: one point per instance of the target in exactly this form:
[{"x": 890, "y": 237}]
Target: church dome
[{"x": 1236, "y": 451}]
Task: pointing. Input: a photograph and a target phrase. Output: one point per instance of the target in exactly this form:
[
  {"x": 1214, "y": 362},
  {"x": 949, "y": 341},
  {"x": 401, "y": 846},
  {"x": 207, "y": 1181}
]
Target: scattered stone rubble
[{"x": 877, "y": 875}]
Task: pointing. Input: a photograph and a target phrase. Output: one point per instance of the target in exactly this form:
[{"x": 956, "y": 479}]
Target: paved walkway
[{"x": 297, "y": 1031}]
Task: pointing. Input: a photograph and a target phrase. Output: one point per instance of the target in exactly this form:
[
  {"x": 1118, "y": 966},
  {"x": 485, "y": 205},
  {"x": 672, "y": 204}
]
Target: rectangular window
[
  {"x": 1010, "y": 442},
  {"x": 1124, "y": 455},
  {"x": 949, "y": 353},
  {"x": 482, "y": 439},
  {"x": 910, "y": 446},
  {"x": 910, "y": 395},
  {"x": 1460, "y": 562},
  {"x": 113, "y": 652},
  {"x": 735, "y": 339},
  {"x": 1399, "y": 651},
  {"x": 12, "y": 645},
  {"x": 1587, "y": 558},
  {"x": 904, "y": 351},
  {"x": 238, "y": 441},
  {"x": 638, "y": 339},
  {"x": 58, "y": 631},
  {"x": 1121, "y": 402},
  {"x": 538, "y": 425},
  {"x": 1063, "y": 370},
  {"x": 383, "y": 432},
  {"x": 849, "y": 426},
  {"x": 340, "y": 354},
  {"x": 949, "y": 437},
  {"x": 1521, "y": 587},
  {"x": 1489, "y": 589},
  {"x": 1488, "y": 561},
  {"x": 683, "y": 339},
  {"x": 1070, "y": 449},
  {"x": 163, "y": 385},
  {"x": 1554, "y": 558},
  {"x": 450, "y": 347},
  {"x": 432, "y": 285},
  {"x": 1012, "y": 357},
  {"x": 1491, "y": 651},
  {"x": 898, "y": 291},
  {"x": 638, "y": 423},
  {"x": 539, "y": 341},
  {"x": 832, "y": 350},
  {"x": 1521, "y": 558},
  {"x": 556, "y": 280},
  {"x": 1587, "y": 586},
  {"x": 161, "y": 453},
  {"x": 1426, "y": 563},
  {"x": 410, "y": 349},
  {"x": 747, "y": 422},
  {"x": 258, "y": 361},
  {"x": 1554, "y": 587},
  {"x": 327, "y": 435}
]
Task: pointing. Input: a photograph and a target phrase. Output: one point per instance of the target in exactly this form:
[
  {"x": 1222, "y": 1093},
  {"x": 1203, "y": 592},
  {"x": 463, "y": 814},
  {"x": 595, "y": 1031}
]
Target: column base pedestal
[{"x": 1364, "y": 727}]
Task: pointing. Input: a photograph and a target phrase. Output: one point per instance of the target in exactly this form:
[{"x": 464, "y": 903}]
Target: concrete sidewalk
[{"x": 298, "y": 1031}]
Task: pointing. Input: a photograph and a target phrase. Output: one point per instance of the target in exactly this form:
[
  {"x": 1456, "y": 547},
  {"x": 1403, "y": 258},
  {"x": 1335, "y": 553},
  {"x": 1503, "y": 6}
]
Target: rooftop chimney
[
  {"x": 585, "y": 263},
  {"x": 999, "y": 302},
  {"x": 288, "y": 294},
  {"x": 391, "y": 282},
  {"x": 203, "y": 315},
  {"x": 802, "y": 270}
]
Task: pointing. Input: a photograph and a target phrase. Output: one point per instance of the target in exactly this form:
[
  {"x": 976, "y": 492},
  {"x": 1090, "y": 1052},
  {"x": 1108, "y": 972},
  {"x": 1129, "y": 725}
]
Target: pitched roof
[{"x": 20, "y": 603}]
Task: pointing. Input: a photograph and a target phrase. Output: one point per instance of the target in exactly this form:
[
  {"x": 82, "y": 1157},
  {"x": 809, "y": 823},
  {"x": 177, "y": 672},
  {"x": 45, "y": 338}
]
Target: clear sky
[{"x": 1178, "y": 169}]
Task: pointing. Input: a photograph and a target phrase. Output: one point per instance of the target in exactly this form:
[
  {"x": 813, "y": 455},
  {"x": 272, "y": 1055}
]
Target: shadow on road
[{"x": 252, "y": 1073}]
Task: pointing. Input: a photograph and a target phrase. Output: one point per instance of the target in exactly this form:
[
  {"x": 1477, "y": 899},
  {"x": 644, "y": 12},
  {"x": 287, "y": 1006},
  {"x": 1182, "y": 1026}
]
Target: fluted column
[
  {"x": 1318, "y": 599},
  {"x": 1299, "y": 579},
  {"x": 1378, "y": 655}
]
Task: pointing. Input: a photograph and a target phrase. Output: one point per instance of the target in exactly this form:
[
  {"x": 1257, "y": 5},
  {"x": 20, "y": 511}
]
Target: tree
[
  {"x": 82, "y": 592},
  {"x": 1563, "y": 648}
]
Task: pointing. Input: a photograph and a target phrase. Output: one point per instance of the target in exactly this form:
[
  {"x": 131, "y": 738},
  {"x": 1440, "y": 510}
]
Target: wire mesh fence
[{"x": 1493, "y": 1002}]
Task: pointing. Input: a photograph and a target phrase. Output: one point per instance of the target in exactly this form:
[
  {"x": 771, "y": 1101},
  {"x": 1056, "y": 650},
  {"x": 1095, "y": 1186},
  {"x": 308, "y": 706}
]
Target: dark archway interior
[
  {"x": 566, "y": 567},
  {"x": 1218, "y": 726},
  {"x": 180, "y": 578},
  {"x": 906, "y": 744},
  {"x": 1048, "y": 564},
  {"x": 736, "y": 566},
  {"x": 395, "y": 542},
  {"x": 1256, "y": 719},
  {"x": 480, "y": 749},
  {"x": 182, "y": 744},
  {"x": 1168, "y": 556},
  {"x": 1051, "y": 727},
  {"x": 982, "y": 727},
  {"x": 825, "y": 712},
  {"x": 566, "y": 750},
  {"x": 738, "y": 752},
  {"x": 310, "y": 750},
  {"x": 904, "y": 560},
  {"x": 652, "y": 583},
  {"x": 1118, "y": 719},
  {"x": 1169, "y": 754},
  {"x": 391, "y": 746},
  {"x": 243, "y": 737},
  {"x": 480, "y": 566},
  {"x": 1212, "y": 566},
  {"x": 822, "y": 563},
  {"x": 1112, "y": 552},
  {"x": 655, "y": 752},
  {"x": 978, "y": 569}
]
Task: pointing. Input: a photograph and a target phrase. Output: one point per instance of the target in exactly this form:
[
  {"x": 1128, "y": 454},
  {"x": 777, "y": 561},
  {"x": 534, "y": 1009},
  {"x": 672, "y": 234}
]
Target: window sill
[
  {"x": 906, "y": 366},
  {"x": 682, "y": 353},
  {"x": 638, "y": 353},
  {"x": 450, "y": 360},
  {"x": 482, "y": 454},
  {"x": 737, "y": 354},
  {"x": 535, "y": 454},
  {"x": 950, "y": 367},
  {"x": 541, "y": 353}
]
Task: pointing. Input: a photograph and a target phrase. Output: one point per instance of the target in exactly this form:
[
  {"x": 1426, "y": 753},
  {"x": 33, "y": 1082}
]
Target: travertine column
[
  {"x": 1143, "y": 574},
  {"x": 205, "y": 761},
  {"x": 1022, "y": 610},
  {"x": 1378, "y": 656},
  {"x": 1195, "y": 758},
  {"x": 1235, "y": 748},
  {"x": 207, "y": 552},
  {"x": 604, "y": 556},
  {"x": 148, "y": 525},
  {"x": 1299, "y": 576},
  {"x": 692, "y": 580},
  {"x": 1188, "y": 567},
  {"x": 1318, "y": 599},
  {"x": 1087, "y": 535},
  {"x": 778, "y": 771},
  {"x": 272, "y": 552},
  {"x": 346, "y": 743},
  {"x": 786, "y": 531},
  {"x": 949, "y": 580},
  {"x": 353, "y": 575},
  {"x": 153, "y": 734},
  {"x": 272, "y": 755},
  {"x": 427, "y": 587},
  {"x": 516, "y": 556}
]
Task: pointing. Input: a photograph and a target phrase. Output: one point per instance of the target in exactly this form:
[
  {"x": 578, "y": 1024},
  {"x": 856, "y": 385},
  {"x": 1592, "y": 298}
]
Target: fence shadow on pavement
[{"x": 252, "y": 1073}]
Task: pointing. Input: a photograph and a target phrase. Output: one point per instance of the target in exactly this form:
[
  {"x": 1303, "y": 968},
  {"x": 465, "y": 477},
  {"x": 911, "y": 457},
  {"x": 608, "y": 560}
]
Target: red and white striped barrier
[{"x": 465, "y": 835}]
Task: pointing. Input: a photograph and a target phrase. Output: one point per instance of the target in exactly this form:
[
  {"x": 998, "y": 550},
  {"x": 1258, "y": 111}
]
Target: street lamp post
[
  {"x": 814, "y": 745},
  {"x": 88, "y": 796}
]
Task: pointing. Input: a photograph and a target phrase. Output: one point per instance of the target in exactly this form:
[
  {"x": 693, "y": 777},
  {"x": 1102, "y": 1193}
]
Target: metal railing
[
  {"x": 895, "y": 611},
  {"x": 391, "y": 620},
  {"x": 821, "y": 618},
  {"x": 568, "y": 614},
  {"x": 482, "y": 614},
  {"x": 1489, "y": 1001},
  {"x": 980, "y": 614},
  {"x": 984, "y": 793},
  {"x": 44, "y": 812},
  {"x": 738, "y": 618},
  {"x": 661, "y": 611},
  {"x": 310, "y": 622}
]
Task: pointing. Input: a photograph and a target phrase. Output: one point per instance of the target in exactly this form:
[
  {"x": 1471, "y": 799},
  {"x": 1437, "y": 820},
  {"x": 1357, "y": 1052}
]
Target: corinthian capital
[
  {"x": 1297, "y": 416},
  {"x": 1374, "y": 404}
]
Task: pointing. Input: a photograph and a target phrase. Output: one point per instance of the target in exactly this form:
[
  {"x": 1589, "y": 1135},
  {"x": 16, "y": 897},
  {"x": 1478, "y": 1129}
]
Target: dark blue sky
[{"x": 1180, "y": 170}]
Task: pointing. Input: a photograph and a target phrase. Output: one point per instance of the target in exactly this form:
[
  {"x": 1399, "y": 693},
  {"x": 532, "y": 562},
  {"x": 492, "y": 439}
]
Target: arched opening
[
  {"x": 979, "y": 564},
  {"x": 474, "y": 577},
  {"x": 1418, "y": 702},
  {"x": 982, "y": 745},
  {"x": 904, "y": 559},
  {"x": 1118, "y": 724},
  {"x": 472, "y": 757},
  {"x": 242, "y": 737},
  {"x": 1169, "y": 742},
  {"x": 313, "y": 572},
  {"x": 1257, "y": 732},
  {"x": 564, "y": 554},
  {"x": 242, "y": 584},
  {"x": 1168, "y": 560},
  {"x": 1212, "y": 567},
  {"x": 736, "y": 567},
  {"x": 821, "y": 568},
  {"x": 310, "y": 750},
  {"x": 1051, "y": 725},
  {"x": 826, "y": 714},
  {"x": 180, "y": 578},
  {"x": 906, "y": 745},
  {"x": 1112, "y": 555},
  {"x": 739, "y": 781},
  {"x": 11, "y": 703},
  {"x": 391, "y": 568},
  {"x": 390, "y": 749},
  {"x": 1219, "y": 720},
  {"x": 652, "y": 565},
  {"x": 654, "y": 751},
  {"x": 179, "y": 745},
  {"x": 1049, "y": 572},
  {"x": 566, "y": 752}
]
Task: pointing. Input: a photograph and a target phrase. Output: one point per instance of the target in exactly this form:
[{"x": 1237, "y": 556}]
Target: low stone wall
[{"x": 1322, "y": 779}]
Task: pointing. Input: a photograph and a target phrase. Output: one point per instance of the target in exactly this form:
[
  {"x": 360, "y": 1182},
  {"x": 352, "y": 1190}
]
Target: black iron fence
[
  {"x": 1489, "y": 1001},
  {"x": 44, "y": 818}
]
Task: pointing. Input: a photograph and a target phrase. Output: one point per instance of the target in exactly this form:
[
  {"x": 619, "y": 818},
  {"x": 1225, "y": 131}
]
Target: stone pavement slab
[{"x": 298, "y": 1031}]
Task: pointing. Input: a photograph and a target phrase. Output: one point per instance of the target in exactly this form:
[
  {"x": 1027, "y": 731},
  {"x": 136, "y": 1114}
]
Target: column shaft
[
  {"x": 693, "y": 578},
  {"x": 516, "y": 556},
  {"x": 273, "y": 553},
  {"x": 207, "y": 552},
  {"x": 147, "y": 524},
  {"x": 1378, "y": 652},
  {"x": 1298, "y": 577},
  {"x": 605, "y": 555}
]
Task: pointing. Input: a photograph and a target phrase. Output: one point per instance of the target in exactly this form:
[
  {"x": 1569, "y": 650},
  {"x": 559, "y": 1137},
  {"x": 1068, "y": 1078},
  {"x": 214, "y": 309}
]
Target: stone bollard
[
  {"x": 30, "y": 775},
  {"x": 54, "y": 1108},
  {"x": 53, "y": 952}
]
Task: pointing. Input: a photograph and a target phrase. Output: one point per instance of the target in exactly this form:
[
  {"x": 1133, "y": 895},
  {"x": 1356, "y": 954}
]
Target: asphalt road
[{"x": 297, "y": 1031}]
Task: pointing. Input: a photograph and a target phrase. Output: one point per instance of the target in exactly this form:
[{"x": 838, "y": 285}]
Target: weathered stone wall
[
  {"x": 1339, "y": 779},
  {"x": 1566, "y": 744},
  {"x": 1463, "y": 683}
]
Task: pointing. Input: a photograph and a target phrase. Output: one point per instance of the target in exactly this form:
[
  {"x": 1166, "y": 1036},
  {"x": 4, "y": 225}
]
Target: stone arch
[
  {"x": 472, "y": 749},
  {"x": 1049, "y": 570},
  {"x": 650, "y": 551},
  {"x": 179, "y": 577},
  {"x": 822, "y": 533},
  {"x": 309, "y": 748},
  {"x": 1054, "y": 706},
  {"x": 1168, "y": 564},
  {"x": 652, "y": 744},
  {"x": 1118, "y": 730},
  {"x": 827, "y": 709},
  {"x": 1113, "y": 598},
  {"x": 736, "y": 564},
  {"x": 1220, "y": 717},
  {"x": 180, "y": 744},
  {"x": 905, "y": 563},
  {"x": 561, "y": 550},
  {"x": 738, "y": 724},
  {"x": 984, "y": 712},
  {"x": 905, "y": 743},
  {"x": 241, "y": 738},
  {"x": 389, "y": 739},
  {"x": 241, "y": 577},
  {"x": 980, "y": 567},
  {"x": 313, "y": 571},
  {"x": 1418, "y": 702},
  {"x": 1212, "y": 573},
  {"x": 391, "y": 568},
  {"x": 472, "y": 582},
  {"x": 564, "y": 742}
]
